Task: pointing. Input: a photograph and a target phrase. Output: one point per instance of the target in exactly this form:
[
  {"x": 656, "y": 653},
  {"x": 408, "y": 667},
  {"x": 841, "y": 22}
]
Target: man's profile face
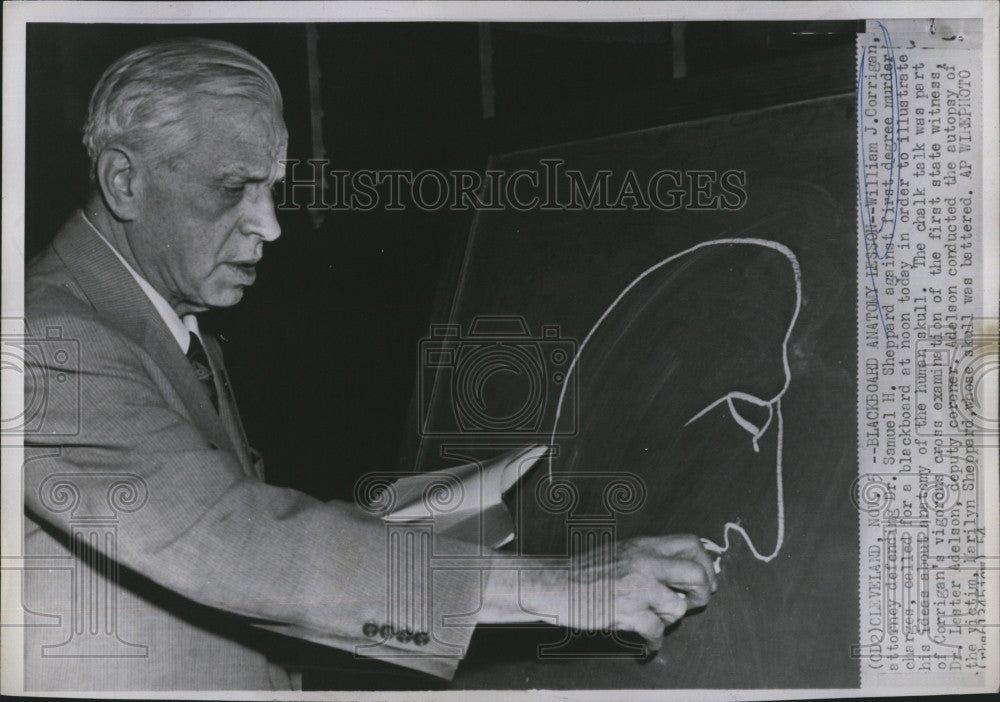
[{"x": 205, "y": 214}]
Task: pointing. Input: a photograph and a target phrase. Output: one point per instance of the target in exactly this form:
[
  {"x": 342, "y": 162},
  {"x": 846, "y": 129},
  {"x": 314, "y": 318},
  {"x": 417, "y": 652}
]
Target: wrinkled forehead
[{"x": 236, "y": 131}]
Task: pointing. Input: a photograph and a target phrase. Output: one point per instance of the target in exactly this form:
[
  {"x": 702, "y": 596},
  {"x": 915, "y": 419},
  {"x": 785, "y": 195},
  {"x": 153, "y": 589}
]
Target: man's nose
[{"x": 260, "y": 218}]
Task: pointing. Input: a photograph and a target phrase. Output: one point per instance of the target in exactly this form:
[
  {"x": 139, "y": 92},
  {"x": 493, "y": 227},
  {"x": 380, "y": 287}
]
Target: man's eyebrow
[{"x": 242, "y": 174}]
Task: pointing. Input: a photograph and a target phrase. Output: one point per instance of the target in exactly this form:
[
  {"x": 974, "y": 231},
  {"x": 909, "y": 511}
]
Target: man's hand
[{"x": 655, "y": 581}]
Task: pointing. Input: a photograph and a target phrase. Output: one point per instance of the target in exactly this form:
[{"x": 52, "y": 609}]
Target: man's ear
[{"x": 118, "y": 178}]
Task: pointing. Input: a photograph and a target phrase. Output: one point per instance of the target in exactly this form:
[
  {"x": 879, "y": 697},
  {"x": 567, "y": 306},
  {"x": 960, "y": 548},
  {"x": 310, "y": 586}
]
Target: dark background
[{"x": 323, "y": 350}]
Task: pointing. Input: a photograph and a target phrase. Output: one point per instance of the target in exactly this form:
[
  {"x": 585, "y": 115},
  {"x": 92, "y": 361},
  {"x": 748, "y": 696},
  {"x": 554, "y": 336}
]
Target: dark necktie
[{"x": 203, "y": 371}]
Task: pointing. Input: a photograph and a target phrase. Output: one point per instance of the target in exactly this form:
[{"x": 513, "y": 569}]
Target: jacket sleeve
[{"x": 192, "y": 521}]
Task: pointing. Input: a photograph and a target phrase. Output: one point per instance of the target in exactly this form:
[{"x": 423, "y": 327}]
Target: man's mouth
[{"x": 247, "y": 268}]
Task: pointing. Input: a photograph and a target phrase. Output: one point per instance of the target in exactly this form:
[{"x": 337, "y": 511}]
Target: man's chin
[{"x": 226, "y": 297}]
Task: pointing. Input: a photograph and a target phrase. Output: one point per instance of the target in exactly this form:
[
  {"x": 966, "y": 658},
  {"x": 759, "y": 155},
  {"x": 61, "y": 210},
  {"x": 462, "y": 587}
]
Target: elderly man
[{"x": 163, "y": 553}]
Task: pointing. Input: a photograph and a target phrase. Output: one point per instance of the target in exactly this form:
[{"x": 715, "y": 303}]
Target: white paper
[{"x": 468, "y": 503}]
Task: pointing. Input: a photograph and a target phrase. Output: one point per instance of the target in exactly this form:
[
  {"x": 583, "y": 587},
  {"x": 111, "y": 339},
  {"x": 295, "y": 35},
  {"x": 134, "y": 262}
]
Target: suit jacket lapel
[
  {"x": 114, "y": 293},
  {"x": 228, "y": 409}
]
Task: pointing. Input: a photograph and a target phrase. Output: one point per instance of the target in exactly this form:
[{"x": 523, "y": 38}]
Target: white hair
[{"x": 141, "y": 98}]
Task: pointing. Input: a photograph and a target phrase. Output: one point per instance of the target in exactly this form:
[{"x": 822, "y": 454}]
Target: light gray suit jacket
[{"x": 158, "y": 550}]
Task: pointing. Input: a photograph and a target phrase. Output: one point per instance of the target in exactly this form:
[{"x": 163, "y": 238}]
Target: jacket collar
[{"x": 117, "y": 297}]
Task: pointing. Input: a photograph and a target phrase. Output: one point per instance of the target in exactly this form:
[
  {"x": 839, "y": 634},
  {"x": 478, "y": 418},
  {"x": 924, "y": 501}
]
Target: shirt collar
[{"x": 180, "y": 327}]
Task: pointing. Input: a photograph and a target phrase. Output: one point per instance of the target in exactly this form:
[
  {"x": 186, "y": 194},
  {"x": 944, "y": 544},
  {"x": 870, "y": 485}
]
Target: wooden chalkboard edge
[
  {"x": 814, "y": 75},
  {"x": 412, "y": 447}
]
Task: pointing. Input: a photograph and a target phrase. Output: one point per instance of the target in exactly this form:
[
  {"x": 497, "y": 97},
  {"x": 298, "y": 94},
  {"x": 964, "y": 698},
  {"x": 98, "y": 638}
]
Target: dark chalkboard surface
[{"x": 711, "y": 322}]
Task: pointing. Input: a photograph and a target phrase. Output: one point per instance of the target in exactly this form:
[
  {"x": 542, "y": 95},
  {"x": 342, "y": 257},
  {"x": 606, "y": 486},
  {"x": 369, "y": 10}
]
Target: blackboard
[{"x": 712, "y": 320}]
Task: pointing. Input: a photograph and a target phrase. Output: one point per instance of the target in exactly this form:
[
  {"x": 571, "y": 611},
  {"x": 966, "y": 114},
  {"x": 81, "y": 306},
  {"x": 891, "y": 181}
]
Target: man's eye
[{"x": 234, "y": 190}]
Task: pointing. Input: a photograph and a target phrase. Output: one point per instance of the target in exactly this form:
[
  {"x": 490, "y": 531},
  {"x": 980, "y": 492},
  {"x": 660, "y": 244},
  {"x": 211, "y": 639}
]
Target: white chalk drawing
[{"x": 773, "y": 404}]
